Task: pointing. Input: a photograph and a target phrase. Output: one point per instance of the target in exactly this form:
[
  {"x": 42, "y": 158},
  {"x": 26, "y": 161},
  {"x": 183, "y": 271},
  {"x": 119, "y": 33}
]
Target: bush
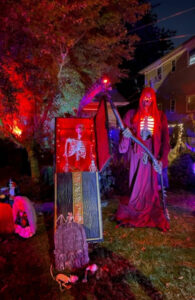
[
  {"x": 115, "y": 177},
  {"x": 181, "y": 171},
  {"x": 36, "y": 192}
]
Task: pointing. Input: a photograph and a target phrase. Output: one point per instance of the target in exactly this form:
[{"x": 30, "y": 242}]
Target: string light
[
  {"x": 180, "y": 133},
  {"x": 179, "y": 144}
]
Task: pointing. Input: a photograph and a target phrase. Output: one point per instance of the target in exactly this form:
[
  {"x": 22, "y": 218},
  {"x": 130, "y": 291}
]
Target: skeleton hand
[
  {"x": 127, "y": 133},
  {"x": 157, "y": 166}
]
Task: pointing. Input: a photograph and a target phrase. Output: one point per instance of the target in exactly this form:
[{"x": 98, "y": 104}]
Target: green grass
[{"x": 166, "y": 259}]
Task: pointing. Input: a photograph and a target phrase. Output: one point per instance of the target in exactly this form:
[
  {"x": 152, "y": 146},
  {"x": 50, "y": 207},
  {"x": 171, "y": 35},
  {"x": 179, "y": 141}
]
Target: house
[
  {"x": 173, "y": 78},
  {"x": 119, "y": 101}
]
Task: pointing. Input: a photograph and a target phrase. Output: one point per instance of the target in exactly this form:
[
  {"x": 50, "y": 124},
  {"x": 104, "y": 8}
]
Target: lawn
[
  {"x": 164, "y": 259},
  {"x": 132, "y": 263}
]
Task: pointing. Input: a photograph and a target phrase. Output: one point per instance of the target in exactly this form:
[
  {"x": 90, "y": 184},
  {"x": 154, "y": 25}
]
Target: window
[
  {"x": 159, "y": 73},
  {"x": 172, "y": 105},
  {"x": 192, "y": 57},
  {"x": 191, "y": 103},
  {"x": 173, "y": 65}
]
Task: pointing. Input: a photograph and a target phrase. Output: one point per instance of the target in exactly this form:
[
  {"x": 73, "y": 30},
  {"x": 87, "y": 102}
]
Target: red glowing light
[
  {"x": 105, "y": 80},
  {"x": 16, "y": 130}
]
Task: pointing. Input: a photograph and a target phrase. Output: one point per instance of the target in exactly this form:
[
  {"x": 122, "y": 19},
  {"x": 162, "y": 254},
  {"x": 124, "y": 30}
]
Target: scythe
[
  {"x": 154, "y": 160},
  {"x": 103, "y": 85}
]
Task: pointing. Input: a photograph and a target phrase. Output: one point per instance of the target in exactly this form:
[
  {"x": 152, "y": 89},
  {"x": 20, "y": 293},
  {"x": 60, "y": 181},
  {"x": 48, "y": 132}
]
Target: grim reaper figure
[{"x": 149, "y": 125}]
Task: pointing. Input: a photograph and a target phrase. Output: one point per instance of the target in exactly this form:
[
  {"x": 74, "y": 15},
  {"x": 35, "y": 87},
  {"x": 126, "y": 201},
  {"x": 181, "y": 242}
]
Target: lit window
[
  {"x": 192, "y": 57},
  {"x": 173, "y": 65},
  {"x": 191, "y": 103},
  {"x": 172, "y": 105},
  {"x": 159, "y": 73}
]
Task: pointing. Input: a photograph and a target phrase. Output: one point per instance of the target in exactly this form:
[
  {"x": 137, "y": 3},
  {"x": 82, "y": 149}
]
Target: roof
[
  {"x": 116, "y": 97},
  {"x": 169, "y": 56}
]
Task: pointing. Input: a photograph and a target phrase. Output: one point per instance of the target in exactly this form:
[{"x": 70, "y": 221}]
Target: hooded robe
[{"x": 144, "y": 208}]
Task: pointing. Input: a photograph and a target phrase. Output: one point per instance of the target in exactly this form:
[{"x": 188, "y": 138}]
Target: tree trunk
[{"x": 34, "y": 165}]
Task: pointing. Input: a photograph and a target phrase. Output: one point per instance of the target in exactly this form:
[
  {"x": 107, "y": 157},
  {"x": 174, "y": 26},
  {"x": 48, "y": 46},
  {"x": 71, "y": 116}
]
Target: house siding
[{"x": 177, "y": 85}]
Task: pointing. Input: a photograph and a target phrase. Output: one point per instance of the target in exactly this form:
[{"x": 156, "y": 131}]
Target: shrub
[
  {"x": 114, "y": 178},
  {"x": 181, "y": 171}
]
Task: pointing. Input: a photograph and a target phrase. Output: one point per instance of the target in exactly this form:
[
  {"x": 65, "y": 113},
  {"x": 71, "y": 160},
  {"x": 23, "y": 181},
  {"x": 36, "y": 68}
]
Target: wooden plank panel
[
  {"x": 91, "y": 206},
  {"x": 92, "y": 215},
  {"x": 64, "y": 194}
]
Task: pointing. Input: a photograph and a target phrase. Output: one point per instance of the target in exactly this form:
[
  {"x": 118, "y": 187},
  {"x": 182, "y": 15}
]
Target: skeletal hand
[
  {"x": 157, "y": 166},
  {"x": 127, "y": 133}
]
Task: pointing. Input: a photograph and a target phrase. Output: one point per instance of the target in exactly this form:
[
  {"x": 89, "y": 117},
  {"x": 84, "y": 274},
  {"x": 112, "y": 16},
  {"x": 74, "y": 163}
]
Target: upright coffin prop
[{"x": 82, "y": 149}]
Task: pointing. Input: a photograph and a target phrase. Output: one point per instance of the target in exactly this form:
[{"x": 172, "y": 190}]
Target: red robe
[{"x": 144, "y": 208}]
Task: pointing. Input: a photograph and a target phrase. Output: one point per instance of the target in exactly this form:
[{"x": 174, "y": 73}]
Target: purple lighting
[
  {"x": 193, "y": 167},
  {"x": 102, "y": 84}
]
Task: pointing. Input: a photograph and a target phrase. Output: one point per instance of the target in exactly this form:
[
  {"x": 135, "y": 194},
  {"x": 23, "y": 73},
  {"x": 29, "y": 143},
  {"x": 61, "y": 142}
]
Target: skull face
[
  {"x": 147, "y": 100},
  {"x": 79, "y": 129}
]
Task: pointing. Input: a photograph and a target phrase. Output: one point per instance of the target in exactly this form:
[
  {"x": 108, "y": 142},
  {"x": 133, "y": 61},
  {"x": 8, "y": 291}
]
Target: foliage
[
  {"x": 22, "y": 112},
  {"x": 68, "y": 45},
  {"x": 189, "y": 125},
  {"x": 21, "y": 108},
  {"x": 107, "y": 182},
  {"x": 181, "y": 172},
  {"x": 36, "y": 192},
  {"x": 51, "y": 53},
  {"x": 115, "y": 177},
  {"x": 120, "y": 172}
]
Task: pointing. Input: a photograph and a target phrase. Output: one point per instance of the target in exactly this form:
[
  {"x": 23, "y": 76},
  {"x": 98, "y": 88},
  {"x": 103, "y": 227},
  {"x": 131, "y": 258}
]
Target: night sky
[{"x": 184, "y": 24}]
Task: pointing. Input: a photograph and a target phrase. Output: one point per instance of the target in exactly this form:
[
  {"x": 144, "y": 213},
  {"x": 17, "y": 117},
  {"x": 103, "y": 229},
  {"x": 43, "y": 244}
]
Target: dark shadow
[
  {"x": 110, "y": 280},
  {"x": 49, "y": 226},
  {"x": 13, "y": 161},
  {"x": 180, "y": 210}
]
